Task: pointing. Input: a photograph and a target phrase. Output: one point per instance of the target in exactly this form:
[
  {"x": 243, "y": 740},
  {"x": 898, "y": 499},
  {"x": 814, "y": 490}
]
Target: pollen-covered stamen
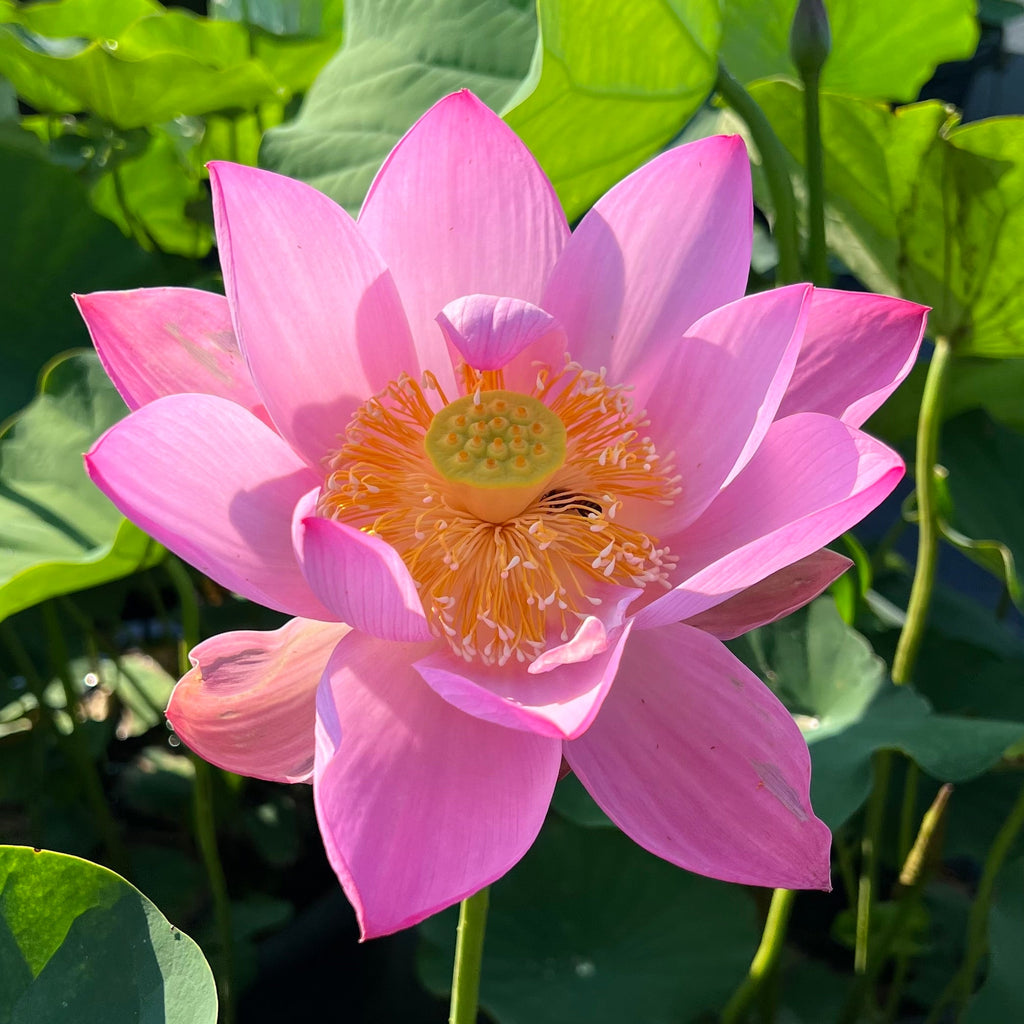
[
  {"x": 505, "y": 590},
  {"x": 498, "y": 450}
]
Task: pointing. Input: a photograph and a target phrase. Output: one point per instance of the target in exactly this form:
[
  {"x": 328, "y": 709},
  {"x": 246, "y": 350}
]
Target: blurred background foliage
[{"x": 109, "y": 110}]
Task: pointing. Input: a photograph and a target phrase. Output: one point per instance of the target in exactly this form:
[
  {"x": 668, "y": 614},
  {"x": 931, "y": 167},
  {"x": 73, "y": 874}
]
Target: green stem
[
  {"x": 928, "y": 423},
  {"x": 869, "y": 859},
  {"x": 901, "y": 968},
  {"x": 766, "y": 959},
  {"x": 817, "y": 252},
  {"x": 469, "y": 951},
  {"x": 42, "y": 731},
  {"x": 188, "y": 606},
  {"x": 203, "y": 814},
  {"x": 773, "y": 161},
  {"x": 88, "y": 772},
  {"x": 844, "y": 861},
  {"x": 136, "y": 228},
  {"x": 206, "y": 837},
  {"x": 977, "y": 922},
  {"x": 910, "y": 781},
  {"x": 912, "y": 878}
]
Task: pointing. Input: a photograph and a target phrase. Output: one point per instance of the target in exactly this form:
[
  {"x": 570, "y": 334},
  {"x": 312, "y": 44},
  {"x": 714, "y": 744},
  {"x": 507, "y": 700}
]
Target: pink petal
[
  {"x": 694, "y": 758},
  {"x": 489, "y": 331},
  {"x": 856, "y": 351},
  {"x": 314, "y": 307},
  {"x": 560, "y": 702},
  {"x": 419, "y": 804},
  {"x": 168, "y": 341},
  {"x": 215, "y": 485},
  {"x": 663, "y": 248},
  {"x": 249, "y": 704},
  {"x": 460, "y": 207},
  {"x": 812, "y": 478},
  {"x": 777, "y": 595},
  {"x": 362, "y": 579},
  {"x": 712, "y": 395}
]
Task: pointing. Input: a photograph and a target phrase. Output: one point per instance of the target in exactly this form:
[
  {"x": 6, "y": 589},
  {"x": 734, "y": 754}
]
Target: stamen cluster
[{"x": 503, "y": 590}]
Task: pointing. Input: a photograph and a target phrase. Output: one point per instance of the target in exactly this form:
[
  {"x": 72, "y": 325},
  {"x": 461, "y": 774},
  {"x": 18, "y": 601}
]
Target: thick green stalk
[
  {"x": 42, "y": 731},
  {"x": 814, "y": 157},
  {"x": 88, "y": 773},
  {"x": 929, "y": 420},
  {"x": 766, "y": 959},
  {"x": 912, "y": 877},
  {"x": 873, "y": 818},
  {"x": 469, "y": 952},
  {"x": 206, "y": 837},
  {"x": 910, "y": 782},
  {"x": 773, "y": 161},
  {"x": 203, "y": 815}
]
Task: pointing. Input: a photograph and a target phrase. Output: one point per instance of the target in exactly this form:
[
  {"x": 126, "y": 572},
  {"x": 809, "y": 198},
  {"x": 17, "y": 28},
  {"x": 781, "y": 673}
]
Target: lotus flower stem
[
  {"x": 817, "y": 251},
  {"x": 910, "y": 785},
  {"x": 76, "y": 748},
  {"x": 203, "y": 816},
  {"x": 773, "y": 160},
  {"x": 913, "y": 876},
  {"x": 929, "y": 420},
  {"x": 873, "y": 818},
  {"x": 766, "y": 959},
  {"x": 469, "y": 949},
  {"x": 810, "y": 42}
]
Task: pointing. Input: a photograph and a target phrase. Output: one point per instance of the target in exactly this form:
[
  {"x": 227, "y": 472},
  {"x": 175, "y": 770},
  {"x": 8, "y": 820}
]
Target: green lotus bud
[{"x": 810, "y": 38}]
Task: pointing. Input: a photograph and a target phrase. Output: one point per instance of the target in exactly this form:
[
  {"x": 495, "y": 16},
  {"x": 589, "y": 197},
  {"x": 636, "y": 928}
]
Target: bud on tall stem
[{"x": 810, "y": 38}]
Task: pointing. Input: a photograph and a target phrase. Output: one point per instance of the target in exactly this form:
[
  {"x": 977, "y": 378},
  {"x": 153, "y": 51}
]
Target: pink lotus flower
[{"x": 493, "y": 469}]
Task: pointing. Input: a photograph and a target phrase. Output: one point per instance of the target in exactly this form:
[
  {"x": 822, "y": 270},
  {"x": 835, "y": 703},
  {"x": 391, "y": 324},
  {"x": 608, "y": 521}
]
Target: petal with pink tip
[
  {"x": 856, "y": 351},
  {"x": 362, "y": 579},
  {"x": 207, "y": 479},
  {"x": 489, "y": 331},
  {"x": 249, "y": 703},
  {"x": 712, "y": 395},
  {"x": 419, "y": 805},
  {"x": 777, "y": 595},
  {"x": 168, "y": 341},
  {"x": 560, "y": 702},
  {"x": 461, "y": 207},
  {"x": 812, "y": 478},
  {"x": 314, "y": 307},
  {"x": 663, "y": 248},
  {"x": 694, "y": 758}
]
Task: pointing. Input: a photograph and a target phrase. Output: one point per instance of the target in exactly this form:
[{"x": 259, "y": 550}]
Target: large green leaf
[
  {"x": 589, "y": 927},
  {"x": 399, "y": 57},
  {"x": 158, "y": 67},
  {"x": 880, "y": 50},
  {"x": 58, "y": 533},
  {"x": 921, "y": 207},
  {"x": 960, "y": 232},
  {"x": 986, "y": 490},
  {"x": 154, "y": 194},
  {"x": 827, "y": 675},
  {"x": 78, "y": 943},
  {"x": 283, "y": 17},
  {"x": 84, "y": 19},
  {"x": 53, "y": 245},
  {"x": 611, "y": 85}
]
